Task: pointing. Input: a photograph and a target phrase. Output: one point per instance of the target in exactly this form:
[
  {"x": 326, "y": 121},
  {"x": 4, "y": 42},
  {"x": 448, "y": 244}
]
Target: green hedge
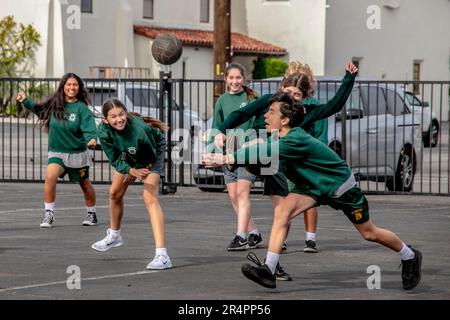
[{"x": 269, "y": 68}]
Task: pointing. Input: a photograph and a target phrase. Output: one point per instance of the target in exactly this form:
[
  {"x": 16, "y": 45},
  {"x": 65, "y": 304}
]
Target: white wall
[
  {"x": 417, "y": 29},
  {"x": 297, "y": 25},
  {"x": 105, "y": 37},
  {"x": 173, "y": 14}
]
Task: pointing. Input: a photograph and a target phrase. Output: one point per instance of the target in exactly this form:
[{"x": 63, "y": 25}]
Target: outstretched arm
[{"x": 322, "y": 111}]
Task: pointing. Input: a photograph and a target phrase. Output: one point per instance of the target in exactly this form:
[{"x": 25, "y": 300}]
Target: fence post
[{"x": 165, "y": 95}]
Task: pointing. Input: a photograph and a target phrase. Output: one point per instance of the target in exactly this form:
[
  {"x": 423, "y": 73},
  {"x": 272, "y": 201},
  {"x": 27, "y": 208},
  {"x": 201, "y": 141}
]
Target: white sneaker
[
  {"x": 160, "y": 262},
  {"x": 110, "y": 241},
  {"x": 48, "y": 219}
]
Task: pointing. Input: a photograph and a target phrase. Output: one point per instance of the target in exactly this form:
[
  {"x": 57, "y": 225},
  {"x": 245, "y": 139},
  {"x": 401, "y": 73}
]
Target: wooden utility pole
[{"x": 222, "y": 42}]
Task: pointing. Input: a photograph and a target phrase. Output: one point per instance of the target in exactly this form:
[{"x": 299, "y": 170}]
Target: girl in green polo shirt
[
  {"x": 71, "y": 130},
  {"x": 135, "y": 147},
  {"x": 239, "y": 181}
]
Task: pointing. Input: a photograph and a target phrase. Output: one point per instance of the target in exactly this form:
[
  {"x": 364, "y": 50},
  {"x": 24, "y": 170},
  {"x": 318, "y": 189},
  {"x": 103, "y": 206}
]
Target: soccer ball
[{"x": 167, "y": 49}]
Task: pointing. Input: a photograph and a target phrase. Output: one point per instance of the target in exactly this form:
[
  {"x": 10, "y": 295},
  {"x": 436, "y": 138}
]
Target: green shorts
[
  {"x": 75, "y": 174},
  {"x": 354, "y": 205}
]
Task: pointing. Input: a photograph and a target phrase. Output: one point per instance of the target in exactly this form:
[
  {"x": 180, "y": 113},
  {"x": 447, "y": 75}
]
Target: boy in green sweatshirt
[{"x": 320, "y": 177}]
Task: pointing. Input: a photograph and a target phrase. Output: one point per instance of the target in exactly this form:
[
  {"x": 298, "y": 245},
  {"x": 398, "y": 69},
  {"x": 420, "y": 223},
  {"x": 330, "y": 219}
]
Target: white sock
[
  {"x": 91, "y": 209},
  {"x": 243, "y": 235},
  {"x": 115, "y": 233},
  {"x": 272, "y": 259},
  {"x": 406, "y": 253},
  {"x": 256, "y": 231},
  {"x": 49, "y": 206},
  {"x": 161, "y": 252},
  {"x": 310, "y": 236}
]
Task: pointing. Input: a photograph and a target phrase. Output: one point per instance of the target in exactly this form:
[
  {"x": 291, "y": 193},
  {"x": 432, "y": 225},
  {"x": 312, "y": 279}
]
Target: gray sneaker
[
  {"x": 49, "y": 217},
  {"x": 91, "y": 219}
]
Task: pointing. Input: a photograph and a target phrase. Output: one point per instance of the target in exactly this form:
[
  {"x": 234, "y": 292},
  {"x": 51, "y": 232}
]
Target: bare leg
[
  {"x": 310, "y": 218},
  {"x": 51, "y": 177},
  {"x": 155, "y": 212},
  {"x": 88, "y": 192},
  {"x": 291, "y": 206},
  {"x": 237, "y": 193},
  {"x": 370, "y": 232},
  {"x": 116, "y": 193}
]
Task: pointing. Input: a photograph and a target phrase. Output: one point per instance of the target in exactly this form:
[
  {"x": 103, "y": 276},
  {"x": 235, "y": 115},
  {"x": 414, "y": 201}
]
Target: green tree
[
  {"x": 18, "y": 45},
  {"x": 269, "y": 68}
]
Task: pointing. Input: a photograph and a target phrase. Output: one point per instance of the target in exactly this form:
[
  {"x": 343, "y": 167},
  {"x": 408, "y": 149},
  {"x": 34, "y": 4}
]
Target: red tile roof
[{"x": 190, "y": 37}]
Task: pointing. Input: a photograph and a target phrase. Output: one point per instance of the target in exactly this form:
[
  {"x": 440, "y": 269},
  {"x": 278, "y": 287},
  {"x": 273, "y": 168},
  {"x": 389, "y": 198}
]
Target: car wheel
[
  {"x": 431, "y": 138},
  {"x": 336, "y": 147},
  {"x": 404, "y": 174}
]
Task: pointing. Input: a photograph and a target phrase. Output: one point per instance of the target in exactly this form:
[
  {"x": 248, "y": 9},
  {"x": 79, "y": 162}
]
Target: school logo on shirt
[
  {"x": 357, "y": 214},
  {"x": 243, "y": 104},
  {"x": 132, "y": 150},
  {"x": 73, "y": 117}
]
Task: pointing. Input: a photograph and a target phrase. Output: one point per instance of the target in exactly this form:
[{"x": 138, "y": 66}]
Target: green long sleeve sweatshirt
[
  {"x": 72, "y": 134},
  {"x": 137, "y": 146}
]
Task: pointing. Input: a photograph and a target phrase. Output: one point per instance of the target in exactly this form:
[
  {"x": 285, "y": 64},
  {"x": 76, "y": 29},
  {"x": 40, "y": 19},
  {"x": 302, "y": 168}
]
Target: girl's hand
[
  {"x": 92, "y": 143},
  {"x": 128, "y": 178},
  {"x": 219, "y": 140},
  {"x": 21, "y": 96},
  {"x": 351, "y": 68},
  {"x": 139, "y": 173}
]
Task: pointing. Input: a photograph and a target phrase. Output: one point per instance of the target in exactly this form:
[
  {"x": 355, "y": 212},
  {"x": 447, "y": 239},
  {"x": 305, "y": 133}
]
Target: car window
[
  {"x": 142, "y": 97},
  {"x": 99, "y": 95},
  {"x": 396, "y": 105},
  {"x": 374, "y": 100},
  {"x": 412, "y": 100}
]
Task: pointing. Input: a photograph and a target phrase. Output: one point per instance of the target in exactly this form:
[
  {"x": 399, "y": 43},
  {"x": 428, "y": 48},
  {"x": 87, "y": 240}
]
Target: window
[
  {"x": 86, "y": 6},
  {"x": 374, "y": 100},
  {"x": 396, "y": 105},
  {"x": 204, "y": 11},
  {"x": 416, "y": 77},
  {"x": 148, "y": 9}
]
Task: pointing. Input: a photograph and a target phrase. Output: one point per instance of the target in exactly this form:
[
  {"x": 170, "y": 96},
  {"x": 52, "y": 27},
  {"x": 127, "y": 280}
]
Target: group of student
[{"x": 309, "y": 173}]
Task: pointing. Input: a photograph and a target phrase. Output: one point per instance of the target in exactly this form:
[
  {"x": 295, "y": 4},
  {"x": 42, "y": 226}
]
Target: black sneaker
[
  {"x": 254, "y": 241},
  {"x": 411, "y": 271},
  {"x": 282, "y": 275},
  {"x": 238, "y": 244},
  {"x": 49, "y": 217},
  {"x": 91, "y": 219},
  {"x": 310, "y": 247},
  {"x": 284, "y": 247},
  {"x": 260, "y": 274}
]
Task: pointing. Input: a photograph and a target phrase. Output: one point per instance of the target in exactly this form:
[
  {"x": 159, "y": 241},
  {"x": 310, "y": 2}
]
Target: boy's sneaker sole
[{"x": 250, "y": 272}]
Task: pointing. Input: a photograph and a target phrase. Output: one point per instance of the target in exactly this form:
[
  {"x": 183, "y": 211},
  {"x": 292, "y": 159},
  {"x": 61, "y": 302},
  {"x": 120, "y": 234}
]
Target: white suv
[{"x": 143, "y": 99}]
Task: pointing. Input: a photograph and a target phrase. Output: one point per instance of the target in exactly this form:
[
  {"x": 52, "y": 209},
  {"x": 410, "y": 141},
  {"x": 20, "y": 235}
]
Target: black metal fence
[{"x": 394, "y": 135}]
